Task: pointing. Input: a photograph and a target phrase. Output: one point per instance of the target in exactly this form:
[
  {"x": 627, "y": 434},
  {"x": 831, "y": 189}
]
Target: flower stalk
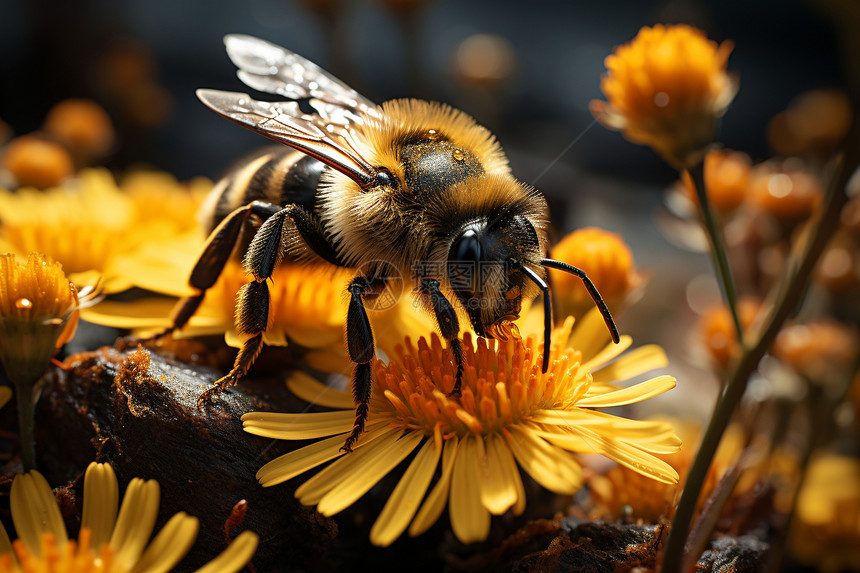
[
  {"x": 787, "y": 298},
  {"x": 718, "y": 246}
]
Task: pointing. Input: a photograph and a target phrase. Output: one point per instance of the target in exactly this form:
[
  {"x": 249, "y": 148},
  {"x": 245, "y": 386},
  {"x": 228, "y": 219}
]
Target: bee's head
[
  {"x": 498, "y": 256},
  {"x": 484, "y": 271}
]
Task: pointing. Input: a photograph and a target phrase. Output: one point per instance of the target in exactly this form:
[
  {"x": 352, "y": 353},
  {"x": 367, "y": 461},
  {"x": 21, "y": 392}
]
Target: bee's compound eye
[
  {"x": 467, "y": 247},
  {"x": 384, "y": 178}
]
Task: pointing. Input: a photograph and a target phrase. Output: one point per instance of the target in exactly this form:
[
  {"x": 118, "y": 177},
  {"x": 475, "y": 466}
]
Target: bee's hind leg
[
  {"x": 449, "y": 326},
  {"x": 219, "y": 246},
  {"x": 359, "y": 342},
  {"x": 252, "y": 309}
]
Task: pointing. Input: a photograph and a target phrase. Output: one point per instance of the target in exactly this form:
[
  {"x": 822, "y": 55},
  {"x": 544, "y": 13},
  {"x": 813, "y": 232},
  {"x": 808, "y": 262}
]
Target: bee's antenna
[
  {"x": 547, "y": 309},
  {"x": 592, "y": 290}
]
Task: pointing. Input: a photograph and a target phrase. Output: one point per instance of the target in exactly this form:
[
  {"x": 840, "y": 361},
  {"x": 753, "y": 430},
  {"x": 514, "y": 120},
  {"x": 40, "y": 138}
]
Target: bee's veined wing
[
  {"x": 270, "y": 68},
  {"x": 328, "y": 141}
]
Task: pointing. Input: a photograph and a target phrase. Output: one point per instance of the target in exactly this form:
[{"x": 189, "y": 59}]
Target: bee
[{"x": 409, "y": 188}]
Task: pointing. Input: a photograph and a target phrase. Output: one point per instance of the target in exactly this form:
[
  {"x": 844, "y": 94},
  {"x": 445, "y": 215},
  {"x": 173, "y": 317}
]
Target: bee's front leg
[
  {"x": 359, "y": 342},
  {"x": 449, "y": 326}
]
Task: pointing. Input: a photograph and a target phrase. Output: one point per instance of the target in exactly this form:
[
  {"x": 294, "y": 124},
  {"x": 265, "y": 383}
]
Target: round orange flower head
[
  {"x": 608, "y": 262},
  {"x": 718, "y": 331},
  {"x": 511, "y": 415},
  {"x": 727, "y": 179},
  {"x": 37, "y": 162},
  {"x": 38, "y": 314},
  {"x": 667, "y": 89},
  {"x": 785, "y": 191},
  {"x": 113, "y": 538},
  {"x": 83, "y": 126}
]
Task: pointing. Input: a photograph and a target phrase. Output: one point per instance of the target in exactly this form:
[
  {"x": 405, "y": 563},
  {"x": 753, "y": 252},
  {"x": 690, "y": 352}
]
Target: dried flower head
[
  {"x": 510, "y": 416},
  {"x": 37, "y": 162},
  {"x": 819, "y": 350},
  {"x": 718, "y": 331},
  {"x": 113, "y": 538},
  {"x": 667, "y": 89},
  {"x": 727, "y": 179},
  {"x": 607, "y": 260},
  {"x": 785, "y": 191},
  {"x": 815, "y": 122}
]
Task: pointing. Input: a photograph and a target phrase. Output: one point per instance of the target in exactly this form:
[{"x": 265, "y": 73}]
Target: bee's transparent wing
[
  {"x": 330, "y": 142},
  {"x": 272, "y": 69}
]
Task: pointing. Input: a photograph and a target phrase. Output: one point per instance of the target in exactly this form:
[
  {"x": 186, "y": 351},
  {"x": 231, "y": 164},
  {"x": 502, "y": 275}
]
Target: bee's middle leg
[{"x": 449, "y": 326}]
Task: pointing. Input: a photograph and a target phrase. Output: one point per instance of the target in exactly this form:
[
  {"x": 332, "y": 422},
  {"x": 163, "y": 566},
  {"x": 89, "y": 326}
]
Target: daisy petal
[
  {"x": 298, "y": 426},
  {"x": 631, "y": 395},
  {"x": 170, "y": 545},
  {"x": 136, "y": 520},
  {"x": 406, "y": 497},
  {"x": 550, "y": 466},
  {"x": 470, "y": 520},
  {"x": 435, "y": 502},
  {"x": 101, "y": 500},
  {"x": 342, "y": 469},
  {"x": 313, "y": 391},
  {"x": 609, "y": 352},
  {"x": 235, "y": 557},
  {"x": 632, "y": 364},
  {"x": 631, "y": 457},
  {"x": 35, "y": 511},
  {"x": 373, "y": 469},
  {"x": 498, "y": 490},
  {"x": 303, "y": 459}
]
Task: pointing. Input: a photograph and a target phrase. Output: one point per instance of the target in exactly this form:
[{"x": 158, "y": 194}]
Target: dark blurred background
[{"x": 143, "y": 59}]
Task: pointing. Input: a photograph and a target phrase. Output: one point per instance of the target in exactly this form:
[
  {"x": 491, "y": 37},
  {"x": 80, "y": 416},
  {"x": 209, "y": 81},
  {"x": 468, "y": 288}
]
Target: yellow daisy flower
[
  {"x": 89, "y": 222},
  {"x": 113, "y": 538},
  {"x": 667, "y": 89},
  {"x": 510, "y": 416}
]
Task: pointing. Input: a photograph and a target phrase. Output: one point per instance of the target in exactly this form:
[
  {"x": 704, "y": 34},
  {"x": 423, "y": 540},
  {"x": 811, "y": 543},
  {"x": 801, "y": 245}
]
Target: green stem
[
  {"x": 718, "y": 247},
  {"x": 26, "y": 424},
  {"x": 787, "y": 300}
]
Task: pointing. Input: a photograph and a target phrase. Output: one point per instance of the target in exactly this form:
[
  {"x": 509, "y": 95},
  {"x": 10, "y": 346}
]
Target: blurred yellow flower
[
  {"x": 510, "y": 416},
  {"x": 825, "y": 532},
  {"x": 113, "y": 539},
  {"x": 667, "y": 89},
  {"x": 608, "y": 262},
  {"x": 88, "y": 223}
]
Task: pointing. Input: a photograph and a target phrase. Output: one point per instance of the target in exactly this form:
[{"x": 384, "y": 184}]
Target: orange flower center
[{"x": 499, "y": 389}]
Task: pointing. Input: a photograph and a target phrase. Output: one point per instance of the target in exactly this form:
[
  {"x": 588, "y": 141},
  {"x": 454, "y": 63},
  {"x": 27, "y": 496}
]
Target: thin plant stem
[
  {"x": 788, "y": 298},
  {"x": 26, "y": 424},
  {"x": 718, "y": 246}
]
